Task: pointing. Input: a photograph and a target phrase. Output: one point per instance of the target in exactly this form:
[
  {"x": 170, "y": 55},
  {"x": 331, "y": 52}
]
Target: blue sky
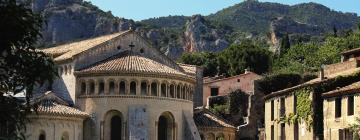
[{"x": 143, "y": 9}]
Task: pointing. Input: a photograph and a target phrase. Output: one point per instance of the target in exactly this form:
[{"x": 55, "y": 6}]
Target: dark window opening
[
  {"x": 338, "y": 107},
  {"x": 214, "y": 91},
  {"x": 172, "y": 91},
  {"x": 272, "y": 133},
  {"x": 122, "y": 88},
  {"x": 154, "y": 89},
  {"x": 115, "y": 128},
  {"x": 133, "y": 88},
  {"x": 350, "y": 105},
  {"x": 141, "y": 50},
  {"x": 282, "y": 107},
  {"x": 83, "y": 88},
  {"x": 143, "y": 88},
  {"x": 42, "y": 136},
  {"x": 112, "y": 88},
  {"x": 178, "y": 92},
  {"x": 272, "y": 110},
  {"x": 238, "y": 80},
  {"x": 163, "y": 90},
  {"x": 282, "y": 135},
  {"x": 92, "y": 88},
  {"x": 101, "y": 87}
]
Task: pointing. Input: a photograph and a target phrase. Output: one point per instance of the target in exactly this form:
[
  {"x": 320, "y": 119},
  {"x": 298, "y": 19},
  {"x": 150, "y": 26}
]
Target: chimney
[
  {"x": 322, "y": 74},
  {"x": 246, "y": 71}
]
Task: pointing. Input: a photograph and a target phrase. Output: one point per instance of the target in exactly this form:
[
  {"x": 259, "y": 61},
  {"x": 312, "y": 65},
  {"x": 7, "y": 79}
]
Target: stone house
[
  {"x": 212, "y": 126},
  {"x": 127, "y": 89},
  {"x": 221, "y": 86},
  {"x": 341, "y": 108},
  {"x": 284, "y": 104}
]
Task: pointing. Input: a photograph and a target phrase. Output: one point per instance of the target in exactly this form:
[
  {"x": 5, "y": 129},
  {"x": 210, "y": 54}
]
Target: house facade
[
  {"x": 221, "y": 86},
  {"x": 281, "y": 107}
]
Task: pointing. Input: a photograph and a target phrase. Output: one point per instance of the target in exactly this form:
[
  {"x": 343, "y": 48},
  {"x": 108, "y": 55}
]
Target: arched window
[
  {"x": 133, "y": 88},
  {"x": 172, "y": 91},
  {"x": 220, "y": 137},
  {"x": 178, "y": 92},
  {"x": 184, "y": 92},
  {"x": 112, "y": 87},
  {"x": 92, "y": 87},
  {"x": 65, "y": 136},
  {"x": 166, "y": 126},
  {"x": 42, "y": 135},
  {"x": 65, "y": 70},
  {"x": 122, "y": 88},
  {"x": 154, "y": 89},
  {"x": 143, "y": 88},
  {"x": 163, "y": 90},
  {"x": 210, "y": 136},
  {"x": 83, "y": 88},
  {"x": 60, "y": 71},
  {"x": 115, "y": 128},
  {"x": 101, "y": 87}
]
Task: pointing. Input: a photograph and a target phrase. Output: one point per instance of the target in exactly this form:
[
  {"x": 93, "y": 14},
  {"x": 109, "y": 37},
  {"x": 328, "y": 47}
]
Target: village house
[
  {"x": 285, "y": 109},
  {"x": 116, "y": 87},
  {"x": 341, "y": 108},
  {"x": 221, "y": 86}
]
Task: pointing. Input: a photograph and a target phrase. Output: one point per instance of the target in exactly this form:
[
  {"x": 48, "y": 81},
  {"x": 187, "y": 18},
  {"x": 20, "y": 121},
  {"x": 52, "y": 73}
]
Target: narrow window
[
  {"x": 337, "y": 107},
  {"x": 122, "y": 88},
  {"x": 112, "y": 88},
  {"x": 272, "y": 110},
  {"x": 133, "y": 88},
  {"x": 92, "y": 87},
  {"x": 178, "y": 92},
  {"x": 272, "y": 133},
  {"x": 143, "y": 88},
  {"x": 214, "y": 91},
  {"x": 350, "y": 105},
  {"x": 282, "y": 135},
  {"x": 83, "y": 88},
  {"x": 282, "y": 107},
  {"x": 172, "y": 91},
  {"x": 101, "y": 87},
  {"x": 163, "y": 90},
  {"x": 154, "y": 89}
]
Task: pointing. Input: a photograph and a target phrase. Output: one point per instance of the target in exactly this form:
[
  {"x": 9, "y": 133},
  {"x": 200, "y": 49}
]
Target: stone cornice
[
  {"x": 134, "y": 96},
  {"x": 56, "y": 117},
  {"x": 145, "y": 74},
  {"x": 225, "y": 129}
]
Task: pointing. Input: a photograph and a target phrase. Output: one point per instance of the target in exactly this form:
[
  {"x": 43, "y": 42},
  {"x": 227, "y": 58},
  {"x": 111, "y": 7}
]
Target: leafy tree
[
  {"x": 207, "y": 60},
  {"x": 245, "y": 55},
  {"x": 21, "y": 66}
]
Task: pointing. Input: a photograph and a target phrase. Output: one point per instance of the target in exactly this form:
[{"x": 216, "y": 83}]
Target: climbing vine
[{"x": 304, "y": 112}]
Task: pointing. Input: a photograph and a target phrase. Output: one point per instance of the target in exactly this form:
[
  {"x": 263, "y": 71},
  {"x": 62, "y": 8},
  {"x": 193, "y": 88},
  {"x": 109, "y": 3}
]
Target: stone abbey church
[{"x": 116, "y": 87}]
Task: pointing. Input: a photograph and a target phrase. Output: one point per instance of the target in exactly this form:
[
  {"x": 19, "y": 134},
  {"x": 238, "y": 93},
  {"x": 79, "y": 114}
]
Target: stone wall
[
  {"x": 332, "y": 125},
  {"x": 339, "y": 67},
  {"x": 290, "y": 132},
  {"x": 198, "y": 96},
  {"x": 244, "y": 82},
  {"x": 54, "y": 128}
]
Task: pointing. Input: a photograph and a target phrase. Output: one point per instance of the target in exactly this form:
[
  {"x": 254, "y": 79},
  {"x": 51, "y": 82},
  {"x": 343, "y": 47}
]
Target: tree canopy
[{"x": 21, "y": 65}]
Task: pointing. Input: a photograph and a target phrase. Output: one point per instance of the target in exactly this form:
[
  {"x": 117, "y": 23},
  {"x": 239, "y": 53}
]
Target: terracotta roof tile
[
  {"x": 129, "y": 62},
  {"x": 190, "y": 69},
  {"x": 67, "y": 51},
  {"x": 205, "y": 118},
  {"x": 50, "y": 104},
  {"x": 53, "y": 108},
  {"x": 352, "y": 88}
]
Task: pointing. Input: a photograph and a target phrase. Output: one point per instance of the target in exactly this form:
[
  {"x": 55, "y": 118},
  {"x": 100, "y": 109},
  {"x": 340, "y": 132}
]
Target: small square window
[{"x": 238, "y": 80}]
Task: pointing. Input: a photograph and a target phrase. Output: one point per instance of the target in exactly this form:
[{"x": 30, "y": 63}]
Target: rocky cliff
[{"x": 68, "y": 20}]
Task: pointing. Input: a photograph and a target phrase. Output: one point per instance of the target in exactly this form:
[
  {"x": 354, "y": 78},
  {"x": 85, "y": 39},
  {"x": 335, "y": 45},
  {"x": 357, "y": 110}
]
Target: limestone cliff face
[
  {"x": 68, "y": 20},
  {"x": 281, "y": 26},
  {"x": 199, "y": 36}
]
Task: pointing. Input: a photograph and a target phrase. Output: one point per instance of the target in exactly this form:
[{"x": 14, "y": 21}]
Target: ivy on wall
[{"x": 304, "y": 112}]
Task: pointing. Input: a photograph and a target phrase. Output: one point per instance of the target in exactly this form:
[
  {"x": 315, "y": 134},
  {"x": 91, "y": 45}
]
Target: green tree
[
  {"x": 21, "y": 66},
  {"x": 207, "y": 60},
  {"x": 239, "y": 57}
]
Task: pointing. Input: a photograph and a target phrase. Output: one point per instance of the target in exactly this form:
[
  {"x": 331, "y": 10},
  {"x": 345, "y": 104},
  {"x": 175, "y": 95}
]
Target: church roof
[
  {"x": 350, "y": 89},
  {"x": 67, "y": 51},
  {"x": 205, "y": 118},
  {"x": 50, "y": 104},
  {"x": 130, "y": 62}
]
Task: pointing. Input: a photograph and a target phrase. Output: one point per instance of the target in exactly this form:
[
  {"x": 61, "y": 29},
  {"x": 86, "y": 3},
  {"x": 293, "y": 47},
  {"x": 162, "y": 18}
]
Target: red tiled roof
[
  {"x": 205, "y": 118},
  {"x": 130, "y": 62}
]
